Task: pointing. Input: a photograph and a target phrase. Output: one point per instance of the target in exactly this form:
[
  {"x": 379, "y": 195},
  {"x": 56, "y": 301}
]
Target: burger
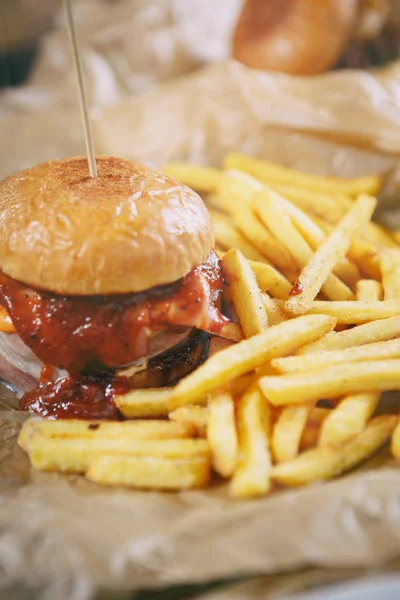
[
  {"x": 106, "y": 283},
  {"x": 307, "y": 37}
]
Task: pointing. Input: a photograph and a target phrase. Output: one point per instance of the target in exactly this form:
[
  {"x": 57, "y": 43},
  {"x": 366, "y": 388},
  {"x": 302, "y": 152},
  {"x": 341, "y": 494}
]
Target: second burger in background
[{"x": 307, "y": 37}]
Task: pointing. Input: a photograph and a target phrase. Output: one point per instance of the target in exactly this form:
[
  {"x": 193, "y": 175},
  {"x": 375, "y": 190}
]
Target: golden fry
[
  {"x": 348, "y": 419},
  {"x": 369, "y": 290},
  {"x": 251, "y": 477},
  {"x": 310, "y": 436},
  {"x": 144, "y": 403},
  {"x": 150, "y": 473},
  {"x": 355, "y": 312},
  {"x": 327, "y": 462},
  {"x": 228, "y": 237},
  {"x": 246, "y": 356},
  {"x": 390, "y": 268},
  {"x": 274, "y": 312},
  {"x": 245, "y": 293},
  {"x": 270, "y": 280},
  {"x": 201, "y": 179},
  {"x": 271, "y": 172},
  {"x": 128, "y": 430},
  {"x": 74, "y": 455},
  {"x": 288, "y": 431},
  {"x": 317, "y": 270},
  {"x": 332, "y": 382},
  {"x": 195, "y": 416},
  {"x": 368, "y": 333},
  {"x": 222, "y": 435},
  {"x": 314, "y": 360}
]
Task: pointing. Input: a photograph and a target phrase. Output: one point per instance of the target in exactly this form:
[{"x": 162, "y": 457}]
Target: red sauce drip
[
  {"x": 80, "y": 397},
  {"x": 69, "y": 332},
  {"x": 296, "y": 289}
]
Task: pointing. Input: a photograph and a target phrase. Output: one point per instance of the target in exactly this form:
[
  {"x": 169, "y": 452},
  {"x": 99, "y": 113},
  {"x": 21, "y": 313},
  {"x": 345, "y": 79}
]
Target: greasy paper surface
[{"x": 70, "y": 537}]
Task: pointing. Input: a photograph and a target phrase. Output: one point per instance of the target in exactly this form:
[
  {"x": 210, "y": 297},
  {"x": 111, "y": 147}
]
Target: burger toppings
[{"x": 70, "y": 332}]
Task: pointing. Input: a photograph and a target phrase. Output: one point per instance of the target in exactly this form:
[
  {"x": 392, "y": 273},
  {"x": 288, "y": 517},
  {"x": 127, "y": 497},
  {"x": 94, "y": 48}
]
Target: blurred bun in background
[{"x": 307, "y": 37}]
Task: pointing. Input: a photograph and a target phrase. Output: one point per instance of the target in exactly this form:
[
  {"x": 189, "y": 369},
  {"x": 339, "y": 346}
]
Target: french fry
[
  {"x": 270, "y": 172},
  {"x": 309, "y": 438},
  {"x": 195, "y": 416},
  {"x": 222, "y": 435},
  {"x": 366, "y": 257},
  {"x": 390, "y": 268},
  {"x": 315, "y": 360},
  {"x": 329, "y": 207},
  {"x": 129, "y": 430},
  {"x": 248, "y": 355},
  {"x": 288, "y": 431},
  {"x": 348, "y": 419},
  {"x": 234, "y": 191},
  {"x": 315, "y": 237},
  {"x": 395, "y": 445},
  {"x": 144, "y": 403},
  {"x": 327, "y": 462},
  {"x": 74, "y": 455},
  {"x": 228, "y": 237},
  {"x": 274, "y": 312},
  {"x": 231, "y": 331},
  {"x": 241, "y": 385},
  {"x": 201, "y": 179},
  {"x": 355, "y": 312},
  {"x": 251, "y": 477},
  {"x": 245, "y": 293},
  {"x": 268, "y": 206},
  {"x": 317, "y": 270},
  {"x": 151, "y": 473},
  {"x": 369, "y": 290},
  {"x": 270, "y": 280},
  {"x": 332, "y": 382},
  {"x": 368, "y": 333}
]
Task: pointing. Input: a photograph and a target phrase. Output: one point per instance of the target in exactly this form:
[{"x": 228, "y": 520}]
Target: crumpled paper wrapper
[{"x": 66, "y": 537}]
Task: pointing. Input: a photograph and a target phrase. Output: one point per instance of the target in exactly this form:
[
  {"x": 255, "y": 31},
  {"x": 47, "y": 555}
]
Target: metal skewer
[{"x": 81, "y": 87}]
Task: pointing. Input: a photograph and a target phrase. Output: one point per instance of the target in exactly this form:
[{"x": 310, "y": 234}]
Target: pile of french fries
[{"x": 315, "y": 284}]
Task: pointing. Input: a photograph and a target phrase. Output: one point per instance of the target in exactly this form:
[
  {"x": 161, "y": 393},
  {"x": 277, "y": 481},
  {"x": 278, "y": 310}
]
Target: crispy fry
[
  {"x": 231, "y": 331},
  {"x": 201, "y": 179},
  {"x": 317, "y": 270},
  {"x": 395, "y": 446},
  {"x": 144, "y": 403},
  {"x": 390, "y": 268},
  {"x": 354, "y": 312},
  {"x": 129, "y": 430},
  {"x": 368, "y": 333},
  {"x": 195, "y": 416},
  {"x": 314, "y": 360},
  {"x": 74, "y": 455},
  {"x": 329, "y": 207},
  {"x": 309, "y": 439},
  {"x": 332, "y": 382},
  {"x": 366, "y": 257},
  {"x": 369, "y": 290},
  {"x": 151, "y": 473},
  {"x": 241, "y": 385},
  {"x": 327, "y": 462},
  {"x": 228, "y": 237},
  {"x": 274, "y": 312},
  {"x": 288, "y": 430},
  {"x": 222, "y": 435},
  {"x": 269, "y": 208},
  {"x": 271, "y": 172},
  {"x": 251, "y": 477},
  {"x": 246, "y": 356},
  {"x": 245, "y": 293},
  {"x": 270, "y": 280},
  {"x": 348, "y": 419}
]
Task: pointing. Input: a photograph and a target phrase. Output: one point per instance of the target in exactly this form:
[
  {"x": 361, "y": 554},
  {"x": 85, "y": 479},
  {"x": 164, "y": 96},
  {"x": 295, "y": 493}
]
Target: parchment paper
[{"x": 66, "y": 537}]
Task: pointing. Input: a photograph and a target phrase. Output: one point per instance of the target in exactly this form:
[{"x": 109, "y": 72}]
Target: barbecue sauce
[{"x": 297, "y": 289}]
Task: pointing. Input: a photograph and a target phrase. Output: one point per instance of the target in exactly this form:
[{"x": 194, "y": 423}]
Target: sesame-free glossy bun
[{"x": 127, "y": 230}]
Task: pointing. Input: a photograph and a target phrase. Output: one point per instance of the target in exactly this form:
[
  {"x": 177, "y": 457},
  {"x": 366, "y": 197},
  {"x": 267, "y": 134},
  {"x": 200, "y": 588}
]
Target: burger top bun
[
  {"x": 299, "y": 37},
  {"x": 127, "y": 230}
]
